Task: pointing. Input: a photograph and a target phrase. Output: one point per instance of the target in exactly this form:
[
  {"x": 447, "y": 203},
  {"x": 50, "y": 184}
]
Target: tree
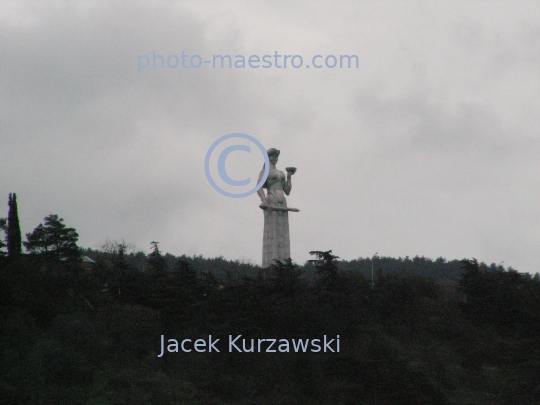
[
  {"x": 326, "y": 268},
  {"x": 53, "y": 241},
  {"x": 286, "y": 276},
  {"x": 155, "y": 259},
  {"x": 185, "y": 274},
  {"x": 3, "y": 227},
  {"x": 14, "y": 245}
]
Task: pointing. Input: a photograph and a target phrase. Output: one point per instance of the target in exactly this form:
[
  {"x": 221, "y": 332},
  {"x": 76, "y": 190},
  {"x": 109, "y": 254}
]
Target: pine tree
[
  {"x": 14, "y": 243},
  {"x": 155, "y": 260},
  {"x": 326, "y": 268},
  {"x": 184, "y": 273},
  {"x": 53, "y": 241},
  {"x": 163, "y": 294},
  {"x": 286, "y": 276}
]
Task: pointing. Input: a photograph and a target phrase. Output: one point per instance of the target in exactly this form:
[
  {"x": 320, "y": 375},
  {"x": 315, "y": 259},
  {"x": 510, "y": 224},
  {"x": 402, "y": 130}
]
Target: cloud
[{"x": 429, "y": 147}]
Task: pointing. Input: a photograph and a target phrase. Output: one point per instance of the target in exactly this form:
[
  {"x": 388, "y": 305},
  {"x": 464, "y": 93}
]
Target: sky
[{"x": 429, "y": 147}]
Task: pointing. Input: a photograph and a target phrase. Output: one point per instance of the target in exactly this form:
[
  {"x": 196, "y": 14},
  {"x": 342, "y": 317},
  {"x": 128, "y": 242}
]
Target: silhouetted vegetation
[
  {"x": 426, "y": 333},
  {"x": 53, "y": 241},
  {"x": 13, "y": 237},
  {"x": 73, "y": 336},
  {"x": 3, "y": 245}
]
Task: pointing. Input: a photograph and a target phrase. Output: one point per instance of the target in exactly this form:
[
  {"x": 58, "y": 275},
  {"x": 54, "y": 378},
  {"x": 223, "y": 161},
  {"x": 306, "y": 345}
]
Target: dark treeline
[
  {"x": 219, "y": 267},
  {"x": 79, "y": 335},
  {"x": 440, "y": 270},
  {"x": 426, "y": 332}
]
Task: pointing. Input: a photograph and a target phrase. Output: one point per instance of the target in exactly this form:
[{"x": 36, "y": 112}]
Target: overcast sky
[{"x": 430, "y": 147}]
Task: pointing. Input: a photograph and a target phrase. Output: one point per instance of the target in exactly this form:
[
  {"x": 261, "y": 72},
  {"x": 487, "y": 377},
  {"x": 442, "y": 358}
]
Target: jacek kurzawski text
[{"x": 238, "y": 344}]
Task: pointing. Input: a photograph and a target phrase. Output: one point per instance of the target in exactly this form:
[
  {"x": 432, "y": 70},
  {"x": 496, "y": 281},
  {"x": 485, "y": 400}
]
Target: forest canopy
[{"x": 83, "y": 326}]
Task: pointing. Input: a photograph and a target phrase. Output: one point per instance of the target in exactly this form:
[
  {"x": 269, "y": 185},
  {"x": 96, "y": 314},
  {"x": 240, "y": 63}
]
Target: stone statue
[{"x": 276, "y": 242}]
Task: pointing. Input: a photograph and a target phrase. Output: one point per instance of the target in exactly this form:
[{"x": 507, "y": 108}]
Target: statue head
[{"x": 273, "y": 155}]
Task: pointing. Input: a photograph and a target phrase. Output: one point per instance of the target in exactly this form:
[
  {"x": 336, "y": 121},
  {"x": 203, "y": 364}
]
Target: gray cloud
[{"x": 429, "y": 148}]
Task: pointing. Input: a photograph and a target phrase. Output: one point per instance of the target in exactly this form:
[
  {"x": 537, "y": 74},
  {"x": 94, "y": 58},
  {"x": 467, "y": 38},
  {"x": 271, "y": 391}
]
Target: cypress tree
[
  {"x": 14, "y": 240},
  {"x": 3, "y": 227}
]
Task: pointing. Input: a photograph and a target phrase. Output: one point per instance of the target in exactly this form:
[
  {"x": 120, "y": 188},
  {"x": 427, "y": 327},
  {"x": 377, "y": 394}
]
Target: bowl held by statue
[{"x": 291, "y": 170}]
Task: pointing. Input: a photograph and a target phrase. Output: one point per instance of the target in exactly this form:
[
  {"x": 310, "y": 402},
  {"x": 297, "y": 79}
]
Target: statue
[{"x": 276, "y": 242}]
